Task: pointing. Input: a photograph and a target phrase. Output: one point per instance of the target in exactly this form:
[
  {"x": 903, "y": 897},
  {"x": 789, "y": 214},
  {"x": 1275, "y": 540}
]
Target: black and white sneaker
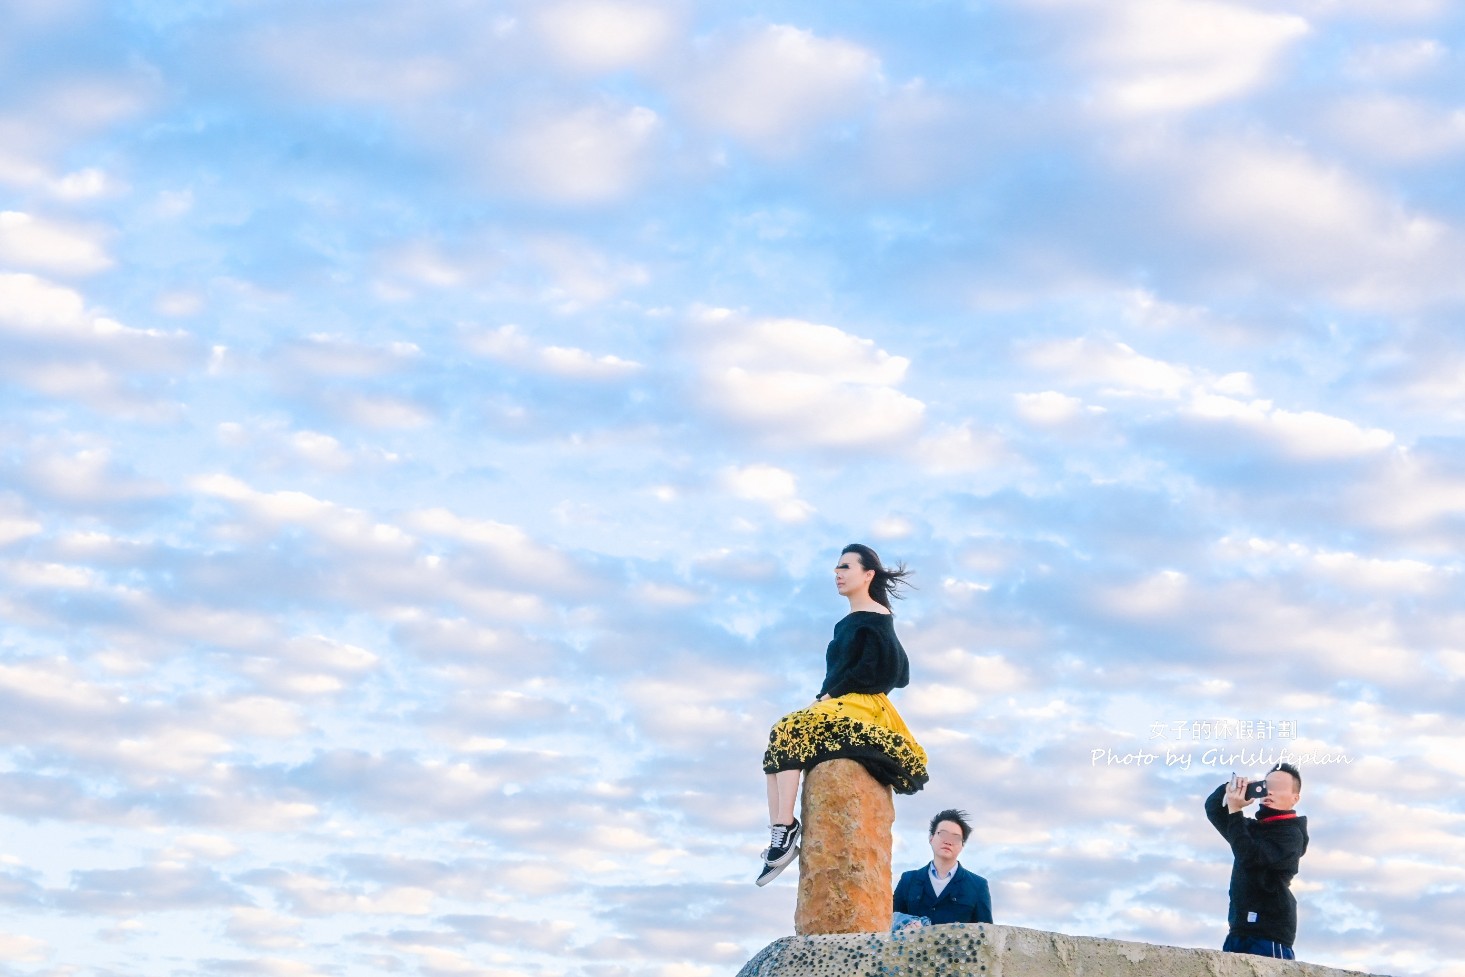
[{"x": 782, "y": 848}]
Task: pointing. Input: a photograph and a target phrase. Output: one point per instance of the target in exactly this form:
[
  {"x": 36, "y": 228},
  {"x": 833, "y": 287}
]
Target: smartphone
[{"x": 1256, "y": 789}]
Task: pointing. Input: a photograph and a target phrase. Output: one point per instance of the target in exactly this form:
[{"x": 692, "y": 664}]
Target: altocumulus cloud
[{"x": 427, "y": 432}]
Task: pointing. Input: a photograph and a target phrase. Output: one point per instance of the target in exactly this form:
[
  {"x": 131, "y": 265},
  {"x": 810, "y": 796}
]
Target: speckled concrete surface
[{"x": 986, "y": 950}]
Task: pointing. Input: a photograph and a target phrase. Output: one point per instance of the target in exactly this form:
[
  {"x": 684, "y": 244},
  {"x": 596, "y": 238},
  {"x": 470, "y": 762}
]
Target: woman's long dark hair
[{"x": 885, "y": 587}]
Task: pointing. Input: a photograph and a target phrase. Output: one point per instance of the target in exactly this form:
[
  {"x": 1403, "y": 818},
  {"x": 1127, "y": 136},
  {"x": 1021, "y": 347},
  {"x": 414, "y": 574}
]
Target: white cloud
[
  {"x": 56, "y": 114},
  {"x": 513, "y": 551},
  {"x": 1048, "y": 407},
  {"x": 1367, "y": 574},
  {"x": 351, "y": 529},
  {"x": 1398, "y": 129},
  {"x": 892, "y": 527},
  {"x": 1301, "y": 435},
  {"x": 17, "y": 169},
  {"x": 69, "y": 351},
  {"x": 1158, "y": 56},
  {"x": 213, "y": 847},
  {"x": 331, "y": 355},
  {"x": 37, "y": 243},
  {"x": 23, "y": 949},
  {"x": 321, "y": 450},
  {"x": 1161, "y": 594},
  {"x": 1256, "y": 618},
  {"x": 1315, "y": 221},
  {"x": 582, "y": 274},
  {"x": 262, "y": 929},
  {"x": 89, "y": 476},
  {"x": 85, "y": 184},
  {"x": 777, "y": 488},
  {"x": 1402, "y": 11},
  {"x": 308, "y": 666},
  {"x": 923, "y": 135},
  {"x": 179, "y": 303},
  {"x": 1410, "y": 493},
  {"x": 37, "y": 306},
  {"x": 425, "y": 264},
  {"x": 47, "y": 13},
  {"x": 1304, "y": 435},
  {"x": 961, "y": 448},
  {"x": 381, "y": 411},
  {"x": 381, "y": 54},
  {"x": 773, "y": 86},
  {"x": 1373, "y": 575},
  {"x": 16, "y": 528},
  {"x": 171, "y": 750},
  {"x": 509, "y": 344},
  {"x": 801, "y": 381},
  {"x": 1314, "y": 435},
  {"x": 315, "y": 896},
  {"x": 56, "y": 684},
  {"x": 281, "y": 447},
  {"x": 604, "y": 35},
  {"x": 590, "y": 155},
  {"x": 1115, "y": 366},
  {"x": 1390, "y": 60},
  {"x": 280, "y": 967}
]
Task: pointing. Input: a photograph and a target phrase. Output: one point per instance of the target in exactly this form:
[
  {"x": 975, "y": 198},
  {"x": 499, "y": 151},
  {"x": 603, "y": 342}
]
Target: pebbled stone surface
[{"x": 987, "y": 950}]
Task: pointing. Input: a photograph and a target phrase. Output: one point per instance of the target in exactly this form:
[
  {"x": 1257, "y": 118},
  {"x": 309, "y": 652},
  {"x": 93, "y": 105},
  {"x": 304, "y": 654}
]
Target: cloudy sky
[{"x": 428, "y": 430}]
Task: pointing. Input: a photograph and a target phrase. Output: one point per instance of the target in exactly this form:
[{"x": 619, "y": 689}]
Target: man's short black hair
[
  {"x": 956, "y": 817},
  {"x": 1296, "y": 774}
]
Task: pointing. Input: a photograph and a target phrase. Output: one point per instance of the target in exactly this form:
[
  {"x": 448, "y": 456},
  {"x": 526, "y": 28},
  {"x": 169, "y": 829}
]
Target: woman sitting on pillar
[{"x": 852, "y": 717}]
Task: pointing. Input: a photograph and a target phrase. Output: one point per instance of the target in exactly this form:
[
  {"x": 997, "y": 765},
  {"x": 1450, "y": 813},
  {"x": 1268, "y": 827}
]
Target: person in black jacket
[
  {"x": 1267, "y": 849},
  {"x": 942, "y": 891},
  {"x": 852, "y": 716}
]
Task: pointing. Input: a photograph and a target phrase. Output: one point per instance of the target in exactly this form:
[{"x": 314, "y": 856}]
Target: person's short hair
[
  {"x": 956, "y": 817},
  {"x": 1296, "y": 774}
]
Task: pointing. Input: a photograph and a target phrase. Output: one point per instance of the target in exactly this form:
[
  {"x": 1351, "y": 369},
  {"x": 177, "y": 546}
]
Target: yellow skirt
[{"x": 854, "y": 726}]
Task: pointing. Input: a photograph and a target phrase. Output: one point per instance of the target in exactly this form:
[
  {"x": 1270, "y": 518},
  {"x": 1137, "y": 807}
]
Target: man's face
[
  {"x": 946, "y": 843},
  {"x": 1281, "y": 791}
]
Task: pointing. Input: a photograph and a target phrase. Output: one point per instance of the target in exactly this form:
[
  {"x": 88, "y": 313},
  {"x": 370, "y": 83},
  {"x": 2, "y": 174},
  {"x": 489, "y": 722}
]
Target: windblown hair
[
  {"x": 885, "y": 587},
  {"x": 956, "y": 817}
]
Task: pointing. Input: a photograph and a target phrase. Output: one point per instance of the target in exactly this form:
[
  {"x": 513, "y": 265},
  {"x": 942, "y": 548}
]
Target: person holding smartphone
[{"x": 1267, "y": 850}]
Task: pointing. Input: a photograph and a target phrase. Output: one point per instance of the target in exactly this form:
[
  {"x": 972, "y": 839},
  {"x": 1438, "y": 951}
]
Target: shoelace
[{"x": 780, "y": 835}]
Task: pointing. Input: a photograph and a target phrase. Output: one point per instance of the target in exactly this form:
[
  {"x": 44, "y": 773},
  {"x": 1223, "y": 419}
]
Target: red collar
[{"x": 1284, "y": 816}]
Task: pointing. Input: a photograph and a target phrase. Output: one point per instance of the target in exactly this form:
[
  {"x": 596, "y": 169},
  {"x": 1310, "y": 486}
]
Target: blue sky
[{"x": 428, "y": 430}]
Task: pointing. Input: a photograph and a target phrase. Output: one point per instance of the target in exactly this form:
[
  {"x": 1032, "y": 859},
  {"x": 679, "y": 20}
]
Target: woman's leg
[
  {"x": 772, "y": 797},
  {"x": 786, "y": 783}
]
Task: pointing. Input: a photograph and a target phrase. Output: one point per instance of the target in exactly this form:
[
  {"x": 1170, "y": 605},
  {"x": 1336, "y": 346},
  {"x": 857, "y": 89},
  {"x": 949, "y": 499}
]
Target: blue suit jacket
[{"x": 966, "y": 898}]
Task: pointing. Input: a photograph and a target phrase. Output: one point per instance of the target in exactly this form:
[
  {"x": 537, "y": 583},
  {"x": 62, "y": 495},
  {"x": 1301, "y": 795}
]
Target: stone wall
[{"x": 985, "y": 950}]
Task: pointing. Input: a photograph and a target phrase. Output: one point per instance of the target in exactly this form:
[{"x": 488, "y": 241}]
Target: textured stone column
[{"x": 844, "y": 866}]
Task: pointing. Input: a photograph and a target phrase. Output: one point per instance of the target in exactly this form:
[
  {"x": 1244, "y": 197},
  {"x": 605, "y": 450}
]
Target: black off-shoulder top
[{"x": 865, "y": 656}]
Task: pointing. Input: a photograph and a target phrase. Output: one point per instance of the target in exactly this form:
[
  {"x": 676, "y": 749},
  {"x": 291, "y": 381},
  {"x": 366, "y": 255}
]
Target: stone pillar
[{"x": 844, "y": 865}]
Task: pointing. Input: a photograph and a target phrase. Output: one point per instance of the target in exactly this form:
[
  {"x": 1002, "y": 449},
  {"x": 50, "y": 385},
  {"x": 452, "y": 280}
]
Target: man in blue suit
[{"x": 943, "y": 891}]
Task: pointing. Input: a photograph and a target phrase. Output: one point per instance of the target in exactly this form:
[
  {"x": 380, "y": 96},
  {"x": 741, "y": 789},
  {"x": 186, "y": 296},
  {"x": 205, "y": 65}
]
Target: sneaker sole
[
  {"x": 787, "y": 856},
  {"x": 768, "y": 877}
]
